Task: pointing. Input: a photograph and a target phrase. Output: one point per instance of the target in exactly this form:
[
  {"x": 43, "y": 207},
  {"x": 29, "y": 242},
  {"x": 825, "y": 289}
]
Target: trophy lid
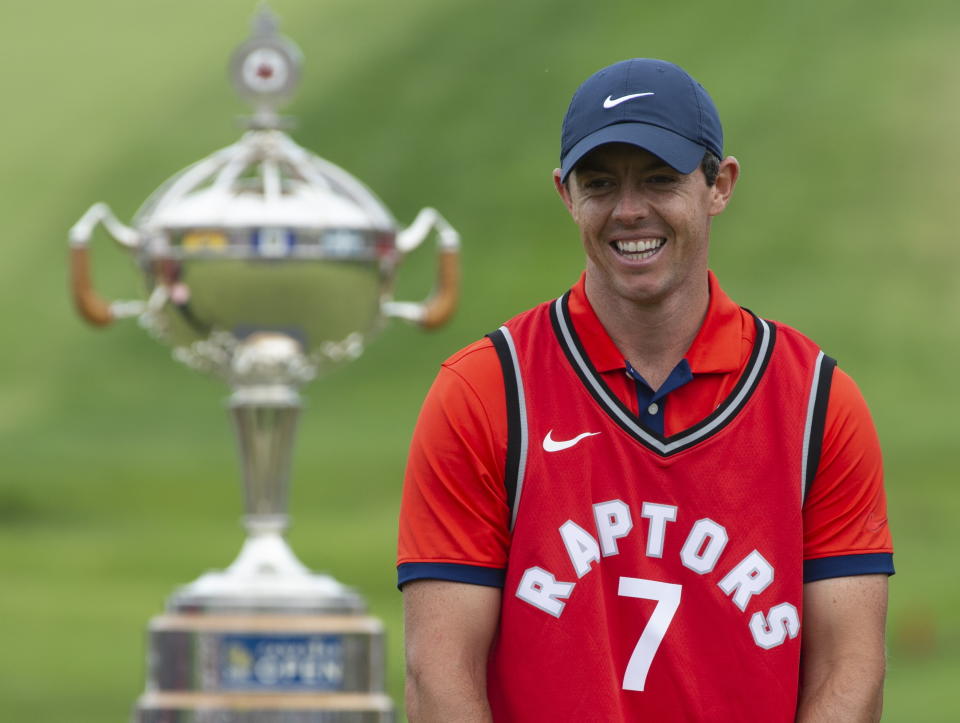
[{"x": 265, "y": 179}]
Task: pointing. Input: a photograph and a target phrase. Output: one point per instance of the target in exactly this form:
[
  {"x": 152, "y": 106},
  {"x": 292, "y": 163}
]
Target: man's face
[{"x": 645, "y": 227}]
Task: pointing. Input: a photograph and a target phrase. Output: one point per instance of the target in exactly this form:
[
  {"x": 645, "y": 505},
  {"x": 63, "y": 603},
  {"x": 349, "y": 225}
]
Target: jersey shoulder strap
[
  {"x": 816, "y": 419},
  {"x": 517, "y": 436}
]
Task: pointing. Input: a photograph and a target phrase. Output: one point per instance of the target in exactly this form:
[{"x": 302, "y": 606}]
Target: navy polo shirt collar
[{"x": 651, "y": 403}]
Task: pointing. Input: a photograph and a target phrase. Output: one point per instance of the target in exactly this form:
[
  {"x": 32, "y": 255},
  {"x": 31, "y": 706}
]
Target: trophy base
[
  {"x": 266, "y": 577},
  {"x": 265, "y": 669},
  {"x": 265, "y": 641},
  {"x": 254, "y": 708}
]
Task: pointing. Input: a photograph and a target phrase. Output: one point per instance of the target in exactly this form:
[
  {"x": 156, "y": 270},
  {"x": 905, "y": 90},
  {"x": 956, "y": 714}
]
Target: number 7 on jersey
[{"x": 667, "y": 596}]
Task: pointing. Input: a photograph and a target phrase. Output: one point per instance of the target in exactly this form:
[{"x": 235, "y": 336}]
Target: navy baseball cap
[{"x": 648, "y": 103}]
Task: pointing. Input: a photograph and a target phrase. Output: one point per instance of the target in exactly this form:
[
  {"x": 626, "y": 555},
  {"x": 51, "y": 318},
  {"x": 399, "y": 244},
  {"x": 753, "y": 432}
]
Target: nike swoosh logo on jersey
[
  {"x": 611, "y": 102},
  {"x": 876, "y": 522},
  {"x": 553, "y": 445}
]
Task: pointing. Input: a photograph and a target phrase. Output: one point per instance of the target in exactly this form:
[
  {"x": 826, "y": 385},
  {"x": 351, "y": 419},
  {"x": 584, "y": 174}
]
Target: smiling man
[{"x": 640, "y": 501}]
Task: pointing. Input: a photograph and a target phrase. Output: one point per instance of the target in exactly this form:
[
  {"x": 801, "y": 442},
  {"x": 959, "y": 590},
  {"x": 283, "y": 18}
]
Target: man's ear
[
  {"x": 563, "y": 190},
  {"x": 726, "y": 181}
]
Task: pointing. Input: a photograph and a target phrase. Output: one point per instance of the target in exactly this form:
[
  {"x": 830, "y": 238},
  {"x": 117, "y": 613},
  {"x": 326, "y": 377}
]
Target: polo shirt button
[{"x": 653, "y": 408}]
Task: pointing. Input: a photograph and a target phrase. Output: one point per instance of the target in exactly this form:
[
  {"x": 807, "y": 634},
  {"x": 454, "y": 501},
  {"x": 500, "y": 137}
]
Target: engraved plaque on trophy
[{"x": 265, "y": 265}]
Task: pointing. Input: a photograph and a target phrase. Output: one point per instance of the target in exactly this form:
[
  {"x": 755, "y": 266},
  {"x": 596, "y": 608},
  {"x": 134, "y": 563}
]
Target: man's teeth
[{"x": 637, "y": 250}]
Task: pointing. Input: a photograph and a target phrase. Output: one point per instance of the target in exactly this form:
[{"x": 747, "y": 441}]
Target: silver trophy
[{"x": 265, "y": 265}]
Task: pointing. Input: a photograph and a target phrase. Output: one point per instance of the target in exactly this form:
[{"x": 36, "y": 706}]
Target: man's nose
[{"x": 632, "y": 205}]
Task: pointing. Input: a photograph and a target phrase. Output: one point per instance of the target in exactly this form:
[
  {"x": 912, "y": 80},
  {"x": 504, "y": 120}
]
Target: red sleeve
[
  {"x": 454, "y": 506},
  {"x": 846, "y": 510}
]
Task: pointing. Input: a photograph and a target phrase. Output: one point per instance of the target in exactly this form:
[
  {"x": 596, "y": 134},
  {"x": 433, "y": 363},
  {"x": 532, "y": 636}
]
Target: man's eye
[
  {"x": 664, "y": 178},
  {"x": 598, "y": 183}
]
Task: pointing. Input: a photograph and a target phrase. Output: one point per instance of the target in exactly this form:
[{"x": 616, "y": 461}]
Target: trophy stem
[
  {"x": 266, "y": 577},
  {"x": 265, "y": 419}
]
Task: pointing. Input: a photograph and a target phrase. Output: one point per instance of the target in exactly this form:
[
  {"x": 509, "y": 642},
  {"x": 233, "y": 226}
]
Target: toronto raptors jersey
[{"x": 650, "y": 577}]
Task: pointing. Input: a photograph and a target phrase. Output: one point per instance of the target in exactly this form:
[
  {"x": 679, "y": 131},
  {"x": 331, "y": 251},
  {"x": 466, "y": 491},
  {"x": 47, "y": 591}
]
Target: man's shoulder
[
  {"x": 846, "y": 399},
  {"x": 791, "y": 335},
  {"x": 481, "y": 353}
]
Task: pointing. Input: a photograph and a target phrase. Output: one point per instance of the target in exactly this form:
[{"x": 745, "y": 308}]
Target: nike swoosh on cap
[
  {"x": 554, "y": 445},
  {"x": 611, "y": 102}
]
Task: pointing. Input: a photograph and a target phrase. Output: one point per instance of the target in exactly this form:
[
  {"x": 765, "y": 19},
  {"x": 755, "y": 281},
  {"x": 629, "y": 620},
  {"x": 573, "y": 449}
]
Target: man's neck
[{"x": 653, "y": 337}]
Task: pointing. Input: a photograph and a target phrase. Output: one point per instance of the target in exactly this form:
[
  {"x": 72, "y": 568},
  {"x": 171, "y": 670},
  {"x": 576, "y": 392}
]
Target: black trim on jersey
[
  {"x": 621, "y": 414},
  {"x": 512, "y": 468},
  {"x": 819, "y": 420}
]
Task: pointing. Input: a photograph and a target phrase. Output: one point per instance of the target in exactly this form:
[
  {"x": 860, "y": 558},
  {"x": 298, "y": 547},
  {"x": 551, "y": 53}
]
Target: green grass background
[{"x": 118, "y": 480}]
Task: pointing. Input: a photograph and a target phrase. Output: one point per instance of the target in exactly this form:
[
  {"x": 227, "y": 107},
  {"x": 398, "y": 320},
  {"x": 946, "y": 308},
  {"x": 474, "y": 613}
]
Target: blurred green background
[{"x": 119, "y": 480}]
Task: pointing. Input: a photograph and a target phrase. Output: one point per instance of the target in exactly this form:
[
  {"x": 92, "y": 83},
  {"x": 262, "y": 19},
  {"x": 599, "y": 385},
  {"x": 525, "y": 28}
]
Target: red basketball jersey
[{"x": 652, "y": 578}]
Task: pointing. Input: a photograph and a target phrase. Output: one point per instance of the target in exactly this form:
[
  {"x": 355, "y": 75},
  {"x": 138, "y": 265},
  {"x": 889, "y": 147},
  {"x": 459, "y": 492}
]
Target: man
[{"x": 640, "y": 501}]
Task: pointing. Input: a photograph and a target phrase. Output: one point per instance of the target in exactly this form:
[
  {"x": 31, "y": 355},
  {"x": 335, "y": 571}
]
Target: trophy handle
[
  {"x": 90, "y": 305},
  {"x": 437, "y": 309}
]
